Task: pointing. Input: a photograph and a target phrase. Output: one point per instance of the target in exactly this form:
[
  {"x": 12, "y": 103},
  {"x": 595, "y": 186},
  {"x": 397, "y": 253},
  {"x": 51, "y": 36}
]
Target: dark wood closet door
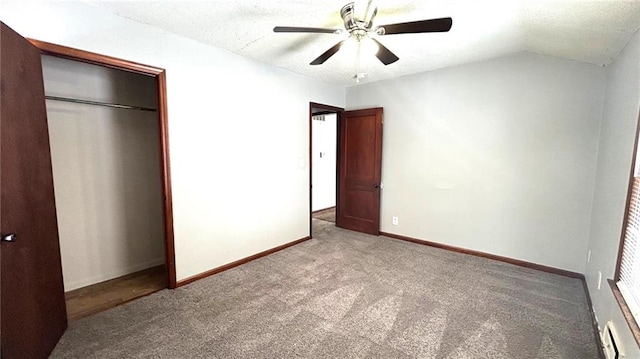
[
  {"x": 359, "y": 171},
  {"x": 32, "y": 305}
]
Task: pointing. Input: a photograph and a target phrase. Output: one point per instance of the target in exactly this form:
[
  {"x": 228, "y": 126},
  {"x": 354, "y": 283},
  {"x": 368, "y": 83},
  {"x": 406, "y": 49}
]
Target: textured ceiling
[{"x": 583, "y": 30}]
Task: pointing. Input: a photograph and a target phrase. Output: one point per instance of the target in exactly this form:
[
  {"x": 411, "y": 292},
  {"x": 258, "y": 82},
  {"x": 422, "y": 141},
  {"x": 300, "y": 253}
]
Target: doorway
[
  {"x": 323, "y": 155},
  {"x": 358, "y": 167},
  {"x": 107, "y": 127}
]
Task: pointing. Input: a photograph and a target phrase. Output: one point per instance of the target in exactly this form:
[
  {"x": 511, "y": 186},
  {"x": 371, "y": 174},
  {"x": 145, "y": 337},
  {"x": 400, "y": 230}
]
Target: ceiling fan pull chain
[
  {"x": 358, "y": 60},
  {"x": 358, "y": 51}
]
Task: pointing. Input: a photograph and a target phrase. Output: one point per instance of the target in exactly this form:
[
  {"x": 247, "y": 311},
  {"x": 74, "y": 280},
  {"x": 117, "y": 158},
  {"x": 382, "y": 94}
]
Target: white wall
[
  {"x": 620, "y": 118},
  {"x": 497, "y": 156},
  {"x": 230, "y": 160},
  {"x": 106, "y": 171},
  {"x": 323, "y": 176}
]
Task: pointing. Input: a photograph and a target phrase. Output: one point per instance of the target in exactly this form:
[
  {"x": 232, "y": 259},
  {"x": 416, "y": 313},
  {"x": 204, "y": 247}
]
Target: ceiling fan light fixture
[
  {"x": 366, "y": 45},
  {"x": 349, "y": 47},
  {"x": 369, "y": 46}
]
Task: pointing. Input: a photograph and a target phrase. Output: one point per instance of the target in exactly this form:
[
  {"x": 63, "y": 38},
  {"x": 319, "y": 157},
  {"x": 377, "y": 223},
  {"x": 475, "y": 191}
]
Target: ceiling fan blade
[
  {"x": 316, "y": 30},
  {"x": 432, "y": 25},
  {"x": 365, "y": 11},
  {"x": 385, "y": 55},
  {"x": 327, "y": 54}
]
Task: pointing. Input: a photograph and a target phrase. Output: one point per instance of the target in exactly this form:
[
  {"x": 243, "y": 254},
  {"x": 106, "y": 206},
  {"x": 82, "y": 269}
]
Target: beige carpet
[
  {"x": 350, "y": 295},
  {"x": 328, "y": 215}
]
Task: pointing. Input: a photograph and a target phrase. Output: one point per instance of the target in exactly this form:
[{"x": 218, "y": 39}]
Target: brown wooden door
[
  {"x": 32, "y": 305},
  {"x": 359, "y": 166}
]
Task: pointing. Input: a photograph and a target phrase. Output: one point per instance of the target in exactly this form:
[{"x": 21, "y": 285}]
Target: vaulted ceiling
[{"x": 582, "y": 30}]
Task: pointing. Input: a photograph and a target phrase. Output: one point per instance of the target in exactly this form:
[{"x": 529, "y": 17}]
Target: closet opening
[{"x": 109, "y": 151}]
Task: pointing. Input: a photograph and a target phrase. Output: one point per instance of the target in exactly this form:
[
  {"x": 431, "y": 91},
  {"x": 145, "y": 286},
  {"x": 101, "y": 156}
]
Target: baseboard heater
[{"x": 610, "y": 342}]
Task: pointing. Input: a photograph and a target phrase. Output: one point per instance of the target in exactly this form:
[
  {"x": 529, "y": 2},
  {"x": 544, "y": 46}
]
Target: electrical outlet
[
  {"x": 589, "y": 256},
  {"x": 394, "y": 221},
  {"x": 599, "y": 279}
]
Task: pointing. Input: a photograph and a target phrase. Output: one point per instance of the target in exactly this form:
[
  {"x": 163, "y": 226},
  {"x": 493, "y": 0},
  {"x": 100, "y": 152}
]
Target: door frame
[
  {"x": 327, "y": 109},
  {"x": 160, "y": 75}
]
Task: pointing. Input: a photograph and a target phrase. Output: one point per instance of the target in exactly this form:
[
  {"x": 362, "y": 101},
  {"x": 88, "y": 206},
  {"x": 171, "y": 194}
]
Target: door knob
[
  {"x": 11, "y": 237},
  {"x": 376, "y": 186}
]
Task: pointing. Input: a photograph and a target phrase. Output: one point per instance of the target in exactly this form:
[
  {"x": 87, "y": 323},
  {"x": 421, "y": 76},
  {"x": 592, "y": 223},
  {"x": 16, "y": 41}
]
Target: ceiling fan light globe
[
  {"x": 369, "y": 46},
  {"x": 349, "y": 46}
]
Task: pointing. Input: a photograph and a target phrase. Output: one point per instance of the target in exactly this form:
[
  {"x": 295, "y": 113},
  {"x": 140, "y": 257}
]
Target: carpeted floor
[
  {"x": 328, "y": 215},
  {"x": 350, "y": 295}
]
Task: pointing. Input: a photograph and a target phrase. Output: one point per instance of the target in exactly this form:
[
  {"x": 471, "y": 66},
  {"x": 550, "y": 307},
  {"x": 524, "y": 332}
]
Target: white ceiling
[{"x": 583, "y": 30}]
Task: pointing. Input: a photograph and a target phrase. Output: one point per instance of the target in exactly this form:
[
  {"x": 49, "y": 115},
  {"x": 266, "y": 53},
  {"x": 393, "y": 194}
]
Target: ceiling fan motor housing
[{"x": 358, "y": 28}]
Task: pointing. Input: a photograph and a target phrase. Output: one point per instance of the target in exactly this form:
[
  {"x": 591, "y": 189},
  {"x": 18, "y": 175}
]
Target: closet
[{"x": 105, "y": 151}]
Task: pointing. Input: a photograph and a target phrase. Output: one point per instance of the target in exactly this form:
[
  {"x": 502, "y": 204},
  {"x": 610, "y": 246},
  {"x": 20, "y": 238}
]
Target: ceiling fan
[{"x": 360, "y": 27}]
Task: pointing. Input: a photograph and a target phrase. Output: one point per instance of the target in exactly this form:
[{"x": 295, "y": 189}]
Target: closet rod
[{"x": 87, "y": 102}]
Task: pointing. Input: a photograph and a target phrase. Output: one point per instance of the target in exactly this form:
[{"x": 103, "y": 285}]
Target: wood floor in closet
[{"x": 90, "y": 300}]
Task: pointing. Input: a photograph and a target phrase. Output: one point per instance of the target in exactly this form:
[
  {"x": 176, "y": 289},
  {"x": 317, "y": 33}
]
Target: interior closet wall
[
  {"x": 106, "y": 171},
  {"x": 323, "y": 176}
]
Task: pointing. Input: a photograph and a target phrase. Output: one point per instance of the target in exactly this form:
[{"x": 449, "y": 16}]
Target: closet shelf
[{"x": 97, "y": 103}]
